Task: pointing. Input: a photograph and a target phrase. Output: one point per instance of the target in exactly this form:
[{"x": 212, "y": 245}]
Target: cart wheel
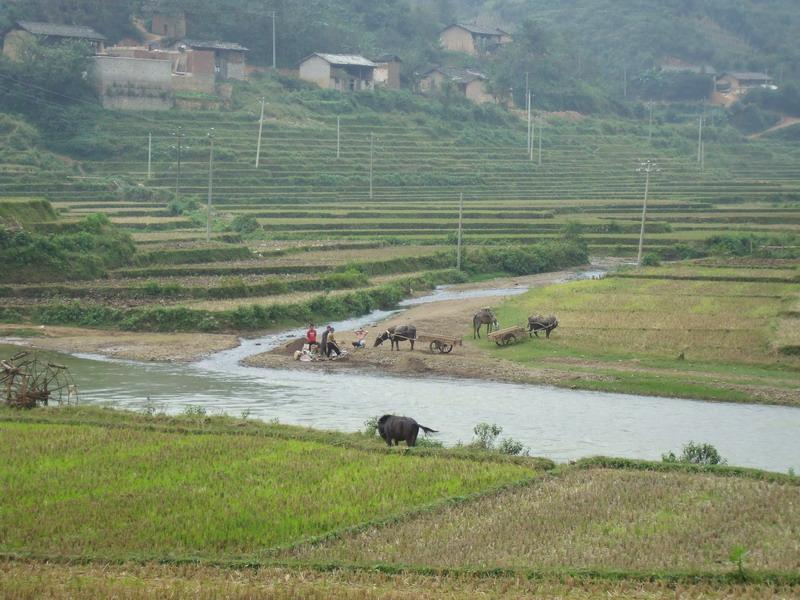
[
  {"x": 446, "y": 348},
  {"x": 435, "y": 346},
  {"x": 509, "y": 339}
]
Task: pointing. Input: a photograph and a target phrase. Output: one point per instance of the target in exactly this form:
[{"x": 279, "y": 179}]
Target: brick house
[
  {"x": 387, "y": 71},
  {"x": 343, "y": 72},
  {"x": 472, "y": 84}
]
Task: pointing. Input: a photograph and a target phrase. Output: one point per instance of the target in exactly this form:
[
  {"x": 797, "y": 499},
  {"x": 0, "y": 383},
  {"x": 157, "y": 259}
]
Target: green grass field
[
  {"x": 130, "y": 493},
  {"x": 682, "y": 330},
  {"x": 98, "y": 503}
]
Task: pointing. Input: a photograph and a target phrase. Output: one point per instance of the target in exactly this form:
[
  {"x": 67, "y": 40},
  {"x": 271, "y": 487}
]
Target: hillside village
[{"x": 170, "y": 68}]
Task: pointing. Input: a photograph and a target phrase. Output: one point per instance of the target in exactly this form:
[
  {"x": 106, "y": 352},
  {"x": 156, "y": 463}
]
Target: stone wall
[{"x": 133, "y": 83}]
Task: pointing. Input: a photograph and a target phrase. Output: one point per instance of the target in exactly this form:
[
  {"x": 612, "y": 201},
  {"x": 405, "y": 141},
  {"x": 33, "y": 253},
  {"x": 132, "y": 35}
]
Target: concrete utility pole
[
  {"x": 260, "y": 129},
  {"x": 274, "y": 54},
  {"x": 460, "y": 224},
  {"x": 647, "y": 167},
  {"x": 149, "y": 155},
  {"x": 338, "y": 137},
  {"x": 650, "y": 126},
  {"x": 541, "y": 125},
  {"x": 179, "y": 136},
  {"x": 528, "y": 126},
  {"x": 371, "y": 161},
  {"x": 210, "y": 184},
  {"x": 700, "y": 141},
  {"x": 625, "y": 81}
]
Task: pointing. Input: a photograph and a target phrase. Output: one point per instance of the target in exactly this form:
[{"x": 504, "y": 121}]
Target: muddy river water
[{"x": 561, "y": 424}]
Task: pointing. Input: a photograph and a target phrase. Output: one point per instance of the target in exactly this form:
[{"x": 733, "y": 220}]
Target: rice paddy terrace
[
  {"x": 338, "y": 186},
  {"x": 314, "y": 184}
]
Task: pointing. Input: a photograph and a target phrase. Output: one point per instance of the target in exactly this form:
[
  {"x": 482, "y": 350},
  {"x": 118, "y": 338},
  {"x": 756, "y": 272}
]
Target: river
[{"x": 557, "y": 423}]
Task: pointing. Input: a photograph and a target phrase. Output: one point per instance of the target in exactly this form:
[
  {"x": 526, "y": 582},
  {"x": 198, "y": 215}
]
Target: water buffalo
[
  {"x": 537, "y": 323},
  {"x": 400, "y": 333},
  {"x": 484, "y": 316},
  {"x": 396, "y": 429}
]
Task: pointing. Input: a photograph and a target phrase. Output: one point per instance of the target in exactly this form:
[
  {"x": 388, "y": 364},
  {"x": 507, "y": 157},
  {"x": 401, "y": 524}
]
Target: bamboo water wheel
[{"x": 26, "y": 381}]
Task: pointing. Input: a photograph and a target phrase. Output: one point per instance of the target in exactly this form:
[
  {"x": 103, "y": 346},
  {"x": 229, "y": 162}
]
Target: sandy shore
[{"x": 150, "y": 347}]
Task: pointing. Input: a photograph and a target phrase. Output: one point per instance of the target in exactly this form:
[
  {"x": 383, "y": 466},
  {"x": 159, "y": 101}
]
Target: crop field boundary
[
  {"x": 782, "y": 578},
  {"x": 224, "y": 425}
]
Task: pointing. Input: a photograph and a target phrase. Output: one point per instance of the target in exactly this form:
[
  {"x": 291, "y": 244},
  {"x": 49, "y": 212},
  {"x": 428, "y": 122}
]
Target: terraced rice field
[{"x": 594, "y": 519}]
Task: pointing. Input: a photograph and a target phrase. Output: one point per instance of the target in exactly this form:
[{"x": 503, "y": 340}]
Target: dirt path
[
  {"x": 784, "y": 123},
  {"x": 151, "y": 347}
]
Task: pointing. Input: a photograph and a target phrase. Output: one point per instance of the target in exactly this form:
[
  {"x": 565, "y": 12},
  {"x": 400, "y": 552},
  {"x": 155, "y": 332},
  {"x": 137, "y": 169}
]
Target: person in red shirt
[{"x": 311, "y": 338}]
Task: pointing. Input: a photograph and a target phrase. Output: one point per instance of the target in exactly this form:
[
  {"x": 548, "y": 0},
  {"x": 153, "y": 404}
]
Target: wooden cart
[
  {"x": 443, "y": 344},
  {"x": 507, "y": 336}
]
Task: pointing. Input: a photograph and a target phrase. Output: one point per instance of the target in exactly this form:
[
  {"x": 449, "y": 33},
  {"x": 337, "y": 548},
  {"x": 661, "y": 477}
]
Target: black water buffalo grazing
[
  {"x": 537, "y": 323},
  {"x": 400, "y": 333},
  {"x": 396, "y": 429}
]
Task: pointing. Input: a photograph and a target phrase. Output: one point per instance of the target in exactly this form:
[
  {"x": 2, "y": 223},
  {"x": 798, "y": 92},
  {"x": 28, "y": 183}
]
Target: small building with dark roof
[
  {"x": 343, "y": 72},
  {"x": 473, "y": 39},
  {"x": 49, "y": 33},
  {"x": 739, "y": 82},
  {"x": 470, "y": 83},
  {"x": 229, "y": 57}
]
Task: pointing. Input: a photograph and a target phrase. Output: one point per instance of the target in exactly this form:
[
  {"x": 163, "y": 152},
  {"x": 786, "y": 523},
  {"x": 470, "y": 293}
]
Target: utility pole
[
  {"x": 338, "y": 137},
  {"x": 179, "y": 136},
  {"x": 274, "y": 59},
  {"x": 210, "y": 184},
  {"x": 647, "y": 167},
  {"x": 700, "y": 141},
  {"x": 149, "y": 155},
  {"x": 460, "y": 223},
  {"x": 371, "y": 161},
  {"x": 260, "y": 129},
  {"x": 650, "y": 126},
  {"x": 625, "y": 81},
  {"x": 541, "y": 125},
  {"x": 528, "y": 127}
]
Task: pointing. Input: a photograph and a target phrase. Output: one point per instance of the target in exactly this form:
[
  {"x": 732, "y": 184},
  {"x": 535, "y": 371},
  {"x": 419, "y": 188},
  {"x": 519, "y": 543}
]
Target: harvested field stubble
[
  {"x": 33, "y": 580},
  {"x": 596, "y": 519}
]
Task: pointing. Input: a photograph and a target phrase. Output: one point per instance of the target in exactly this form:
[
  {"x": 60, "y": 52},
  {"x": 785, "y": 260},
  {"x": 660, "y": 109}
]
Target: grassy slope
[
  {"x": 126, "y": 493},
  {"x": 633, "y": 329}
]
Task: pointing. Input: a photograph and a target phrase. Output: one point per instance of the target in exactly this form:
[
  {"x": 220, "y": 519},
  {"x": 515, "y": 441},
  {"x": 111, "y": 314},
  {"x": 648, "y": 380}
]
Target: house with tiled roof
[
  {"x": 49, "y": 33},
  {"x": 472, "y": 39}
]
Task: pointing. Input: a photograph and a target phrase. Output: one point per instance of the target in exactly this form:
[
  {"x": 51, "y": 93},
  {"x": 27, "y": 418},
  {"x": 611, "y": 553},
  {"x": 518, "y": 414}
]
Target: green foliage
[
  {"x": 244, "y": 224},
  {"x": 486, "y": 435},
  {"x": 24, "y": 212},
  {"x": 88, "y": 252},
  {"x": 696, "y": 454},
  {"x": 651, "y": 260},
  {"x": 737, "y": 556},
  {"x": 526, "y": 260},
  {"x": 47, "y": 85}
]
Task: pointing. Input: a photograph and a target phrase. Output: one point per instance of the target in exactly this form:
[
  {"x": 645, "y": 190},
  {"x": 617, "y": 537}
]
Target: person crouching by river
[{"x": 331, "y": 347}]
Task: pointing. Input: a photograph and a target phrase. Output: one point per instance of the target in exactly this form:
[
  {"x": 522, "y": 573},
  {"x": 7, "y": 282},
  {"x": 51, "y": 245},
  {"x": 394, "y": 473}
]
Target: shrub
[
  {"x": 244, "y": 224},
  {"x": 696, "y": 454},
  {"x": 651, "y": 260}
]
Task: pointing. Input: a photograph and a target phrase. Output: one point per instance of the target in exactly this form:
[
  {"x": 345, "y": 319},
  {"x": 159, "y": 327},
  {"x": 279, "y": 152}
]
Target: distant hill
[{"x": 610, "y": 35}]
